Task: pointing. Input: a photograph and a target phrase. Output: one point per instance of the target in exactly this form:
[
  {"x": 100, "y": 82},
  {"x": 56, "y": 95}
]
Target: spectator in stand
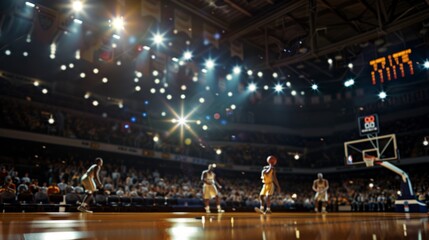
[
  {"x": 62, "y": 186},
  {"x": 26, "y": 178},
  {"x": 53, "y": 189},
  {"x": 34, "y": 186},
  {"x": 8, "y": 185}
]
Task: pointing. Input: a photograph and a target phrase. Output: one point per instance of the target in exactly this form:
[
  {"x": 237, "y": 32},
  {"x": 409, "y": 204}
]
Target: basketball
[{"x": 272, "y": 160}]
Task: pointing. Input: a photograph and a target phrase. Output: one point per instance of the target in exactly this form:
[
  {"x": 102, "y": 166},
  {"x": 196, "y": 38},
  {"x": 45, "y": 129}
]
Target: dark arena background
[{"x": 161, "y": 89}]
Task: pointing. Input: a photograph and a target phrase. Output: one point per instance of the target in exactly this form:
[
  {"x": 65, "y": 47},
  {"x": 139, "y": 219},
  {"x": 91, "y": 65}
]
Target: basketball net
[{"x": 369, "y": 160}]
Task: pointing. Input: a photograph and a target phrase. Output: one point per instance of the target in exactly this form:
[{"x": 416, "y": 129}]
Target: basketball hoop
[{"x": 369, "y": 160}]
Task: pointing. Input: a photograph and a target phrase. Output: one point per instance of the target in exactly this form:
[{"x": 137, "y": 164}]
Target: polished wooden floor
[{"x": 174, "y": 226}]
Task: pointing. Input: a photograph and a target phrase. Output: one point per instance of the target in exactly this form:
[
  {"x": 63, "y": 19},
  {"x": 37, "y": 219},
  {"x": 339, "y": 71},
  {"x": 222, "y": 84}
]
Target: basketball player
[
  {"x": 209, "y": 188},
  {"x": 90, "y": 181},
  {"x": 269, "y": 178},
  {"x": 320, "y": 186}
]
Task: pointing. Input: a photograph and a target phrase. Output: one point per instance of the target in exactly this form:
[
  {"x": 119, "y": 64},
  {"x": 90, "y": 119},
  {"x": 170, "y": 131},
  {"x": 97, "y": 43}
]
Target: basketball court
[{"x": 33, "y": 226}]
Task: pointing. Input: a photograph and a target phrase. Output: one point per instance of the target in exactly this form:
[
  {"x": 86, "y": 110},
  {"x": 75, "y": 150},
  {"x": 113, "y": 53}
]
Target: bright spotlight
[
  {"x": 266, "y": 87},
  {"x": 330, "y": 61},
  {"x": 382, "y": 95},
  {"x": 77, "y": 6},
  {"x": 30, "y": 4},
  {"x": 350, "y": 65},
  {"x": 425, "y": 142},
  {"x": 260, "y": 74},
  {"x": 158, "y": 39},
  {"x": 78, "y": 21},
  {"x": 210, "y": 64},
  {"x": 181, "y": 121},
  {"x": 95, "y": 103},
  {"x": 349, "y": 83},
  {"x": 426, "y": 64},
  {"x": 252, "y": 87},
  {"x": 118, "y": 23},
  {"x": 233, "y": 107},
  {"x": 296, "y": 156},
  {"x": 236, "y": 70},
  {"x": 51, "y": 120},
  {"x": 229, "y": 77},
  {"x": 314, "y": 86},
  {"x": 293, "y": 93},
  {"x": 230, "y": 94},
  {"x": 275, "y": 75},
  {"x": 187, "y": 55},
  {"x": 249, "y": 72},
  {"x": 137, "y": 88},
  {"x": 155, "y": 73},
  {"x": 45, "y": 91},
  {"x": 278, "y": 88},
  {"x": 218, "y": 151}
]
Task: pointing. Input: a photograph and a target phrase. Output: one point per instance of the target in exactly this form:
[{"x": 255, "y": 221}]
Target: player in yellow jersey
[
  {"x": 320, "y": 186},
  {"x": 209, "y": 188},
  {"x": 269, "y": 179}
]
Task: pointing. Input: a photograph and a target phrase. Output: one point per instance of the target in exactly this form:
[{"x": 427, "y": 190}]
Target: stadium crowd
[
  {"x": 36, "y": 179},
  {"x": 238, "y": 147}
]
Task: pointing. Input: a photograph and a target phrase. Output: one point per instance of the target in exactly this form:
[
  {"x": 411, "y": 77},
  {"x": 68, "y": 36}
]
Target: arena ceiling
[
  {"x": 299, "y": 36},
  {"x": 294, "y": 39}
]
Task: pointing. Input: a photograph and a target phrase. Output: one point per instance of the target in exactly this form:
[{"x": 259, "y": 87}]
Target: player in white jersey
[
  {"x": 90, "y": 181},
  {"x": 320, "y": 186},
  {"x": 209, "y": 188}
]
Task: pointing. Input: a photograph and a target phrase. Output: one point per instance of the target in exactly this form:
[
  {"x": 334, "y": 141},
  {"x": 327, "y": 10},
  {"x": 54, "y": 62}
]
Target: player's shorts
[
  {"x": 321, "y": 196},
  {"x": 209, "y": 191},
  {"x": 88, "y": 183},
  {"x": 267, "y": 189}
]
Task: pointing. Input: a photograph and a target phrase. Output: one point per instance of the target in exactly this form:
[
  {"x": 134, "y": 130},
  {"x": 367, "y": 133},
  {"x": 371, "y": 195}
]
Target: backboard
[{"x": 384, "y": 148}]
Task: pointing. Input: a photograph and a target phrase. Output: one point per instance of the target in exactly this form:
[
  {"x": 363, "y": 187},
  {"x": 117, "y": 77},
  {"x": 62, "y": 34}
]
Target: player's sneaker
[
  {"x": 324, "y": 211},
  {"x": 316, "y": 210},
  {"x": 268, "y": 211},
  {"x": 83, "y": 209},
  {"x": 220, "y": 211},
  {"x": 258, "y": 210},
  {"x": 207, "y": 210}
]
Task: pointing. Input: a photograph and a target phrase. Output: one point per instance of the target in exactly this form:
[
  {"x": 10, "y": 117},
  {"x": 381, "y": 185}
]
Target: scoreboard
[{"x": 368, "y": 124}]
